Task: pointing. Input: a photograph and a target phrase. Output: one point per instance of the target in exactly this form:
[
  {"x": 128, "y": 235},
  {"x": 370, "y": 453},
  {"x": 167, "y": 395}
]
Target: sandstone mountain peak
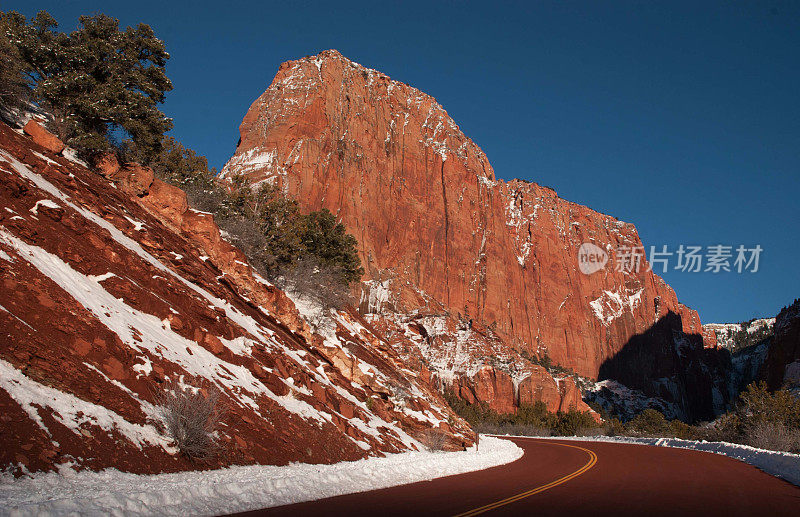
[
  {"x": 341, "y": 84},
  {"x": 438, "y": 234}
]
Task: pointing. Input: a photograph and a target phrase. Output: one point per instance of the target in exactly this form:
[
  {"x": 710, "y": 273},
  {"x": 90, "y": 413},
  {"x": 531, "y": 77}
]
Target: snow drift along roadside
[
  {"x": 784, "y": 465},
  {"x": 234, "y": 489}
]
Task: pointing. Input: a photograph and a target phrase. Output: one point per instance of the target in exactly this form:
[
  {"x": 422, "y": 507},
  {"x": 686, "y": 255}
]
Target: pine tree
[
  {"x": 101, "y": 84},
  {"x": 179, "y": 165},
  {"x": 15, "y": 81},
  {"x": 327, "y": 240}
]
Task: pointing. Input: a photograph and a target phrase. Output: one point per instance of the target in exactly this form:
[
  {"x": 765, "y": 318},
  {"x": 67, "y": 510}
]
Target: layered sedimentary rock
[
  {"x": 111, "y": 289},
  {"x": 434, "y": 225}
]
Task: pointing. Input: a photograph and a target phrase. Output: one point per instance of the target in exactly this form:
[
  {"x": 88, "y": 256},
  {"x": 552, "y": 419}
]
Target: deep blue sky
[{"x": 684, "y": 120}]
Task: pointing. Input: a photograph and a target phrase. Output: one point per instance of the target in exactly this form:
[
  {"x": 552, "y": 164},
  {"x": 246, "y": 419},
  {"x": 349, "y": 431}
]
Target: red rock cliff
[{"x": 429, "y": 214}]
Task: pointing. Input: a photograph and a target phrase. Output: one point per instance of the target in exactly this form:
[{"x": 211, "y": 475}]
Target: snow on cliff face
[
  {"x": 472, "y": 363},
  {"x": 611, "y": 305},
  {"x": 106, "y": 295}
]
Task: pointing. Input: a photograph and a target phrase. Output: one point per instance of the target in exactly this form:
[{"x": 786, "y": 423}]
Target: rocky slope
[
  {"x": 440, "y": 235},
  {"x": 112, "y": 288}
]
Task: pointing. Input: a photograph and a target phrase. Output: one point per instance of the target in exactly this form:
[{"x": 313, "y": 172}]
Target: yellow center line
[{"x": 534, "y": 491}]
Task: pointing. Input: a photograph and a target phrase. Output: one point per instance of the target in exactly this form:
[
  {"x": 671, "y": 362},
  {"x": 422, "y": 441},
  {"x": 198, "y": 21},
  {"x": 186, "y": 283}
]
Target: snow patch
[
  {"x": 71, "y": 411},
  {"x": 145, "y": 332},
  {"x": 46, "y": 203},
  {"x": 45, "y": 158},
  {"x": 72, "y": 155},
  {"x": 137, "y": 225},
  {"x": 375, "y": 294},
  {"x": 100, "y": 278},
  {"x": 611, "y": 305}
]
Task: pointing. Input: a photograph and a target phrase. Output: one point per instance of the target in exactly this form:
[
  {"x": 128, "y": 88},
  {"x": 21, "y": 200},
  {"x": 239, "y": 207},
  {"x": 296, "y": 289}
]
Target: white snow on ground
[
  {"x": 137, "y": 225},
  {"x": 780, "y": 464},
  {"x": 71, "y": 155},
  {"x": 234, "y": 489},
  {"x": 45, "y": 158},
  {"x": 154, "y": 336}
]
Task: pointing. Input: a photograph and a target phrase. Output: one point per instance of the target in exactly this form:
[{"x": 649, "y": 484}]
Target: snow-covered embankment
[{"x": 235, "y": 489}]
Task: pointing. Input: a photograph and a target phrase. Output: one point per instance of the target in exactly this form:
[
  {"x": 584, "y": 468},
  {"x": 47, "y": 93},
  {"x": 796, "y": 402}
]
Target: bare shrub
[
  {"x": 774, "y": 436},
  {"x": 433, "y": 439},
  {"x": 191, "y": 417},
  {"x": 316, "y": 282},
  {"x": 246, "y": 234},
  {"x": 203, "y": 197}
]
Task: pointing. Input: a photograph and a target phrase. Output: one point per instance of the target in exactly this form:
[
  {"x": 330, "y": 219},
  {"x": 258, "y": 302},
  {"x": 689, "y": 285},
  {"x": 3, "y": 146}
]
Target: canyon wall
[{"x": 430, "y": 216}]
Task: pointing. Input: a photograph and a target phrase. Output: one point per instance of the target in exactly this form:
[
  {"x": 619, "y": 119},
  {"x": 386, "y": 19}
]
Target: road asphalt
[{"x": 574, "y": 478}]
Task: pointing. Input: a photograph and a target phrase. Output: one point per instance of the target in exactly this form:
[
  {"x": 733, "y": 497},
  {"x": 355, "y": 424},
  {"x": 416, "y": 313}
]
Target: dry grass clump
[{"x": 191, "y": 417}]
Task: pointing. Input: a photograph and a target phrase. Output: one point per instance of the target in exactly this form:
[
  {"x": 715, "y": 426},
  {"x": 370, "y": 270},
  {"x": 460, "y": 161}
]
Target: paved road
[{"x": 580, "y": 478}]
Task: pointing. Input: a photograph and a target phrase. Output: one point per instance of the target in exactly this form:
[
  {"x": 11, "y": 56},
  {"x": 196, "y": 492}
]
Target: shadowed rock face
[
  {"x": 668, "y": 364},
  {"x": 430, "y": 217},
  {"x": 782, "y": 367}
]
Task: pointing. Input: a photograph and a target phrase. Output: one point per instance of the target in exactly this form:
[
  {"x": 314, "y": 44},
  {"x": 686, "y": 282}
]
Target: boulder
[
  {"x": 167, "y": 201},
  {"x": 132, "y": 178},
  {"x": 43, "y": 137},
  {"x": 495, "y": 388},
  {"x": 138, "y": 179},
  {"x": 539, "y": 386},
  {"x": 107, "y": 165}
]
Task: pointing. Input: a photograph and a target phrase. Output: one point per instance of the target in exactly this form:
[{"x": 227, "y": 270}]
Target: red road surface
[{"x": 567, "y": 478}]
